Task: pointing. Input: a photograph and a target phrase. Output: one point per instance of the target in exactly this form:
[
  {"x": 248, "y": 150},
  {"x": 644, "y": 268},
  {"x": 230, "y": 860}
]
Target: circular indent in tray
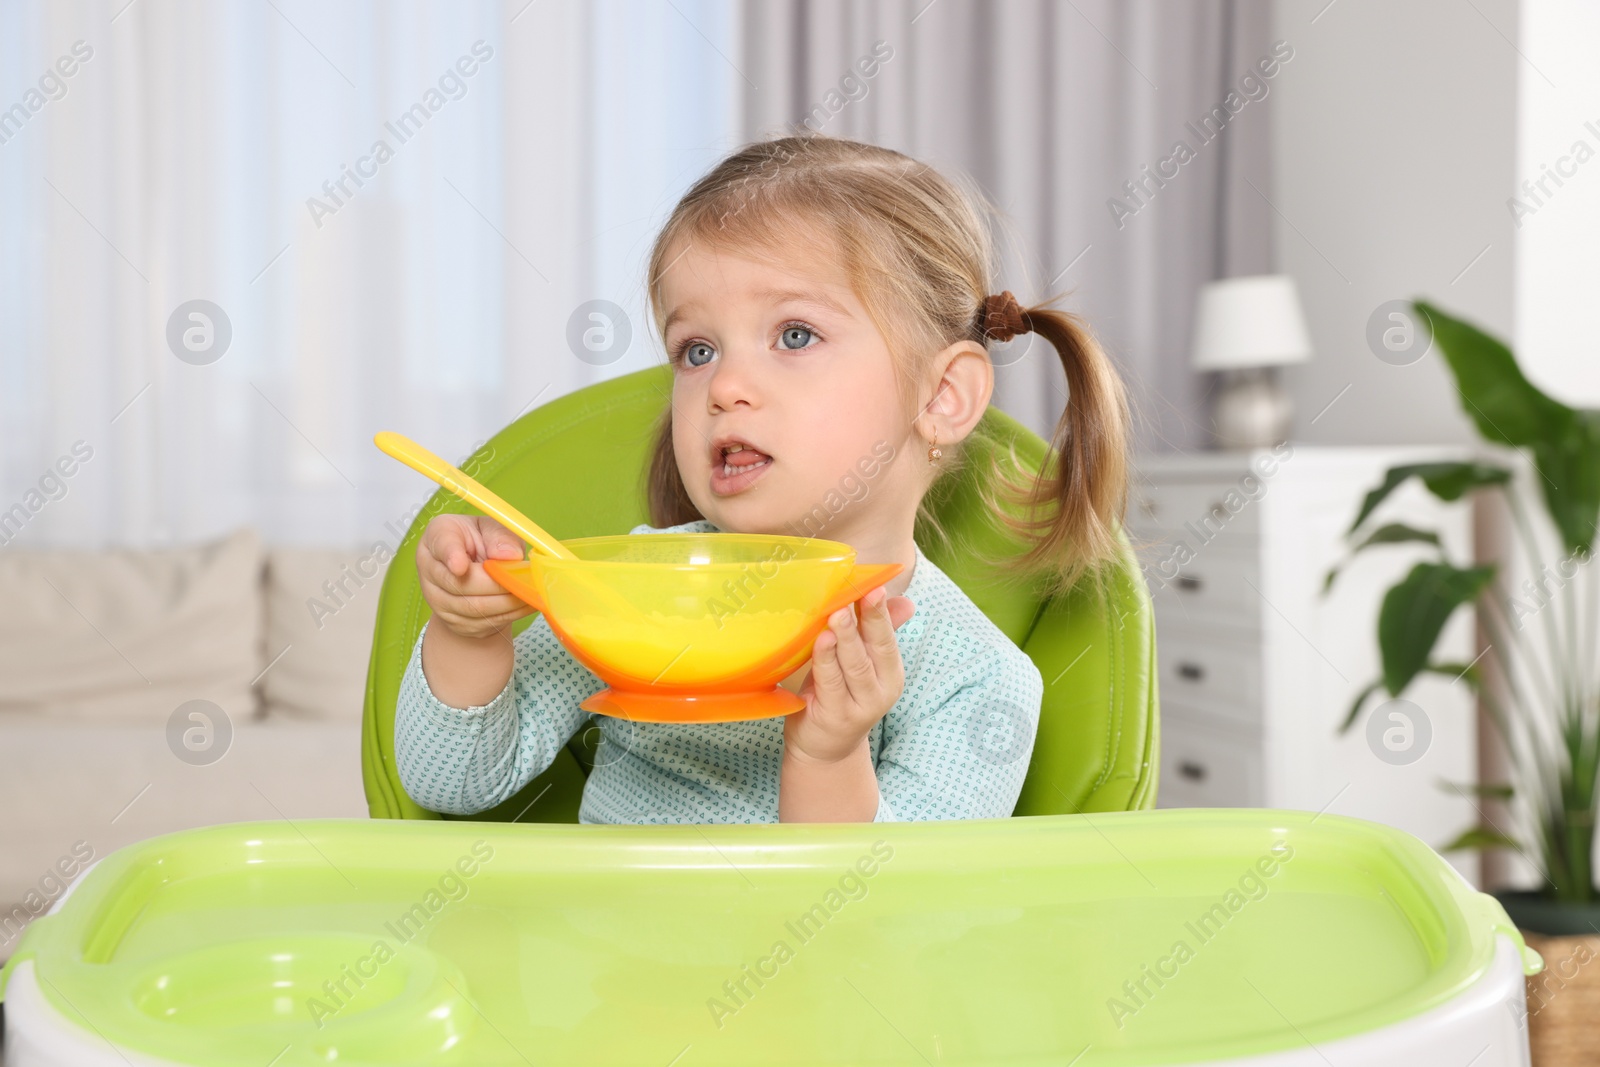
[{"x": 342, "y": 996}]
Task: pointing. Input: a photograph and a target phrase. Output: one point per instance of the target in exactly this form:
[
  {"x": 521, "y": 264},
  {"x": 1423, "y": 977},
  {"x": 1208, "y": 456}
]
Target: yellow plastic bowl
[{"x": 692, "y": 627}]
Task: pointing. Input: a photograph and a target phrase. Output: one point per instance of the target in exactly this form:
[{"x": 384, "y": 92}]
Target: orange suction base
[{"x": 713, "y": 707}]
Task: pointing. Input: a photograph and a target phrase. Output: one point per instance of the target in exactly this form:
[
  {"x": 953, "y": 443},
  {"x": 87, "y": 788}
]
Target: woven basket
[{"x": 1564, "y": 1001}]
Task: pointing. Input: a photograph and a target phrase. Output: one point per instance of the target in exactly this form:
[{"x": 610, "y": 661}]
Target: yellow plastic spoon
[{"x": 472, "y": 491}]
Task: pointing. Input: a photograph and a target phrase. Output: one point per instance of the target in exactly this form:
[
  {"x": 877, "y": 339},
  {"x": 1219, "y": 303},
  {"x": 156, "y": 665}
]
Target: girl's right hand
[{"x": 463, "y": 597}]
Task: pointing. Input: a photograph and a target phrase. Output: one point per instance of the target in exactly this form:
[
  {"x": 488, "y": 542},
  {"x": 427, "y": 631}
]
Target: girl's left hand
[{"x": 856, "y": 676}]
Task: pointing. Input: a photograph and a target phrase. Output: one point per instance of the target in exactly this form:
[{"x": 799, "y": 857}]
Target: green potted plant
[{"x": 1544, "y": 696}]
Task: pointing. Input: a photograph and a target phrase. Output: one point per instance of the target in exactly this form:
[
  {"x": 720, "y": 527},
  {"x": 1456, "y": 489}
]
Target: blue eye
[
  {"x": 795, "y": 337},
  {"x": 686, "y": 353},
  {"x": 802, "y": 335}
]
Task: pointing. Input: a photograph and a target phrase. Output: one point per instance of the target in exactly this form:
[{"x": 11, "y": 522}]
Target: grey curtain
[{"x": 1052, "y": 107}]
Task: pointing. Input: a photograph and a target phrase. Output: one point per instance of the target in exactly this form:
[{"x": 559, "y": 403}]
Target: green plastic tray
[{"x": 1023, "y": 940}]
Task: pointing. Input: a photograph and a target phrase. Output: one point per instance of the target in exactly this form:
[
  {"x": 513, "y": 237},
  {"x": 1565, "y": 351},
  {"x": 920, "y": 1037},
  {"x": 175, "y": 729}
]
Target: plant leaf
[
  {"x": 1478, "y": 789},
  {"x": 1355, "y": 707},
  {"x": 1445, "y": 480},
  {"x": 1467, "y": 672},
  {"x": 1507, "y": 408},
  {"x": 1327, "y": 579},
  {"x": 1476, "y": 838},
  {"x": 1387, "y": 534},
  {"x": 1570, "y": 478},
  {"x": 1395, "y": 533},
  {"x": 1415, "y": 610}
]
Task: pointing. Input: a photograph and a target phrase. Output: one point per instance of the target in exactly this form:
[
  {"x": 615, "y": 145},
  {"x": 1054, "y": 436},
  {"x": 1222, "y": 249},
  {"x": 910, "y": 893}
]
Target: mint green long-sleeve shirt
[{"x": 956, "y": 744}]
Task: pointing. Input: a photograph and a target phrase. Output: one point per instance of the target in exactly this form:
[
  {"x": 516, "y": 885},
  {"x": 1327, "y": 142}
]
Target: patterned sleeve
[
  {"x": 966, "y": 755},
  {"x": 463, "y": 761}
]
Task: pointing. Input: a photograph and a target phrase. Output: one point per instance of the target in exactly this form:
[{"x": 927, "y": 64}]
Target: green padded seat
[{"x": 1096, "y": 748}]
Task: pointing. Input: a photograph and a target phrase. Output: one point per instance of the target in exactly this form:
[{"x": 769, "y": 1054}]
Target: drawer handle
[
  {"x": 1191, "y": 671},
  {"x": 1192, "y": 771},
  {"x": 1188, "y": 583}
]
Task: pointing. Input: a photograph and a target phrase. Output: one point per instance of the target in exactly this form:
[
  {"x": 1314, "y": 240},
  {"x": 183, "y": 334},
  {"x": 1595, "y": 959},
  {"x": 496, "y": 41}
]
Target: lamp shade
[{"x": 1249, "y": 322}]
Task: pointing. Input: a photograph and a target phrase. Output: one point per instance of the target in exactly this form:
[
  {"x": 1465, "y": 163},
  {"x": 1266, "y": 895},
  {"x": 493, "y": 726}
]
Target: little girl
[{"x": 825, "y": 307}]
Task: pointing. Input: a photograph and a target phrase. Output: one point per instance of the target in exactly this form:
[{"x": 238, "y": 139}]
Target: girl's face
[{"x": 784, "y": 359}]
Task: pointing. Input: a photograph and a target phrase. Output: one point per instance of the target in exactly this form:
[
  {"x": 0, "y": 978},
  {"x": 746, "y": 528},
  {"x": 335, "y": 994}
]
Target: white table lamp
[{"x": 1244, "y": 327}]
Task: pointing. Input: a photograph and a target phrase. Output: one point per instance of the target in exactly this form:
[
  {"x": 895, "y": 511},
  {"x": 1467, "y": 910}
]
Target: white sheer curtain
[
  {"x": 180, "y": 160},
  {"x": 200, "y": 152}
]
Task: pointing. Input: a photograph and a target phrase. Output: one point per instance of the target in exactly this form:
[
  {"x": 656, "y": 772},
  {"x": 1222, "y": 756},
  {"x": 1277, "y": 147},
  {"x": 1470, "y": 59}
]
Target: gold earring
[{"x": 934, "y": 451}]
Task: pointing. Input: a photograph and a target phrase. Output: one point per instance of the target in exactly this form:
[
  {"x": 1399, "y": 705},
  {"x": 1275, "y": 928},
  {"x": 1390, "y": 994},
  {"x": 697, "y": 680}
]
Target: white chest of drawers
[{"x": 1258, "y": 668}]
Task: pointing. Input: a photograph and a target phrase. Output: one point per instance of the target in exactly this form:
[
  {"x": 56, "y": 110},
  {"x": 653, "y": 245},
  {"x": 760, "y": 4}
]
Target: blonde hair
[{"x": 919, "y": 256}]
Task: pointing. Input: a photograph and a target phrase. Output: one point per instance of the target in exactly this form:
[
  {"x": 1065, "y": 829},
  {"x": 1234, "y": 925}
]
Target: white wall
[
  {"x": 1394, "y": 130},
  {"x": 1558, "y": 227}
]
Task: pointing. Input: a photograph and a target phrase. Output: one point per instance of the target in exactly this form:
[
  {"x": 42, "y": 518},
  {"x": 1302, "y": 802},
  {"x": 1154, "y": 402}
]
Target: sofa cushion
[
  {"x": 322, "y": 606},
  {"x": 75, "y": 790},
  {"x": 131, "y": 633}
]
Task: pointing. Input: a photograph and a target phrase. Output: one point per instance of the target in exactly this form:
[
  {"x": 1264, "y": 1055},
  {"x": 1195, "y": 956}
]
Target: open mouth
[
  {"x": 743, "y": 461},
  {"x": 736, "y": 465}
]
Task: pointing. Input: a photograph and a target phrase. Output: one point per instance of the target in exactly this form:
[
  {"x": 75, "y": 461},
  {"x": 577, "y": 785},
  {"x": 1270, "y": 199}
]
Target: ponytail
[{"x": 1075, "y": 505}]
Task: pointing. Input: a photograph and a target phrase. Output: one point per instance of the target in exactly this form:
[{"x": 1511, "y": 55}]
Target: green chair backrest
[{"x": 1096, "y": 748}]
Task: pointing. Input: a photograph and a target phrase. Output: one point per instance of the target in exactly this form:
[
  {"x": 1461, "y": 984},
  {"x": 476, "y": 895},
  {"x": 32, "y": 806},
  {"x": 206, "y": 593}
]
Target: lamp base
[{"x": 1252, "y": 410}]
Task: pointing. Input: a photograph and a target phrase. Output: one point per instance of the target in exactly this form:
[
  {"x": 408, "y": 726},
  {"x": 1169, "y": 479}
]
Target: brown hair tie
[{"x": 1002, "y": 318}]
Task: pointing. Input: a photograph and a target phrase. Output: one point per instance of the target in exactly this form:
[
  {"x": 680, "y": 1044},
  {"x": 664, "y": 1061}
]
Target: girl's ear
[{"x": 961, "y": 392}]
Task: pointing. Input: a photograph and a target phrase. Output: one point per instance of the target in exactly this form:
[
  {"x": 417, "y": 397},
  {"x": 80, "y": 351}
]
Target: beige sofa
[{"x": 143, "y": 692}]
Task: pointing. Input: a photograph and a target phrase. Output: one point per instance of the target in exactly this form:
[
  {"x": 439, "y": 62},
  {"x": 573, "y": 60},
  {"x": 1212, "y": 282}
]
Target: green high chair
[{"x": 1097, "y": 742}]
